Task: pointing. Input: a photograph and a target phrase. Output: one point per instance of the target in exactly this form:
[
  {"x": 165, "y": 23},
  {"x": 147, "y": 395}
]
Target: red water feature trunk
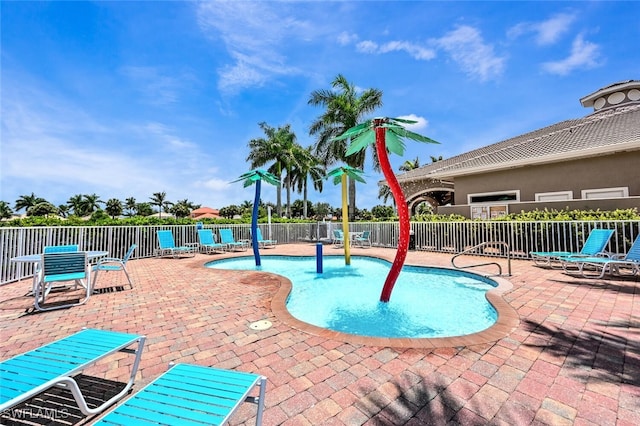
[{"x": 403, "y": 212}]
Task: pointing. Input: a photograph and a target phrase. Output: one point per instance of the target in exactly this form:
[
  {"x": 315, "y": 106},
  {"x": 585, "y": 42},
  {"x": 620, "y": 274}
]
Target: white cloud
[
  {"x": 345, "y": 38},
  {"x": 253, "y": 33},
  {"x": 156, "y": 89},
  {"x": 545, "y": 32},
  {"x": 467, "y": 48},
  {"x": 421, "y": 122},
  {"x": 413, "y": 50},
  {"x": 584, "y": 55}
]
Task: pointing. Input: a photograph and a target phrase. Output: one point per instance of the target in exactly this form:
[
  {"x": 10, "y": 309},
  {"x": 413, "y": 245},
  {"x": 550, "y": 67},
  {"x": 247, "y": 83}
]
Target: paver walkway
[{"x": 573, "y": 359}]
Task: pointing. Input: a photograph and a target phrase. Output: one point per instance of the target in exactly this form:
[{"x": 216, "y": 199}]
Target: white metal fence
[{"x": 449, "y": 237}]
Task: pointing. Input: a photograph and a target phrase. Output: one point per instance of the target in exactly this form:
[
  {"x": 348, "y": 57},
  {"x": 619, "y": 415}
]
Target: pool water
[{"x": 426, "y": 302}]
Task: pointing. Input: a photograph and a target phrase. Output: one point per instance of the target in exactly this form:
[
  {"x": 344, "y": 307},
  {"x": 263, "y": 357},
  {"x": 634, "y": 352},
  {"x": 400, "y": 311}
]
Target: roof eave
[{"x": 555, "y": 158}]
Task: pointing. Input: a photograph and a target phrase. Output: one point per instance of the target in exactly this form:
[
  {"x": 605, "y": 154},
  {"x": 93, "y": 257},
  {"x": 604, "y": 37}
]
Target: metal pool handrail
[{"x": 477, "y": 246}]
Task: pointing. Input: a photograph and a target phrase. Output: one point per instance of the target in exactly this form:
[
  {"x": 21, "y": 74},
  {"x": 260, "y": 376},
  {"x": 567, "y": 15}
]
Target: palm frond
[
  {"x": 354, "y": 131},
  {"x": 394, "y": 143},
  {"x": 253, "y": 176},
  {"x": 361, "y": 142}
]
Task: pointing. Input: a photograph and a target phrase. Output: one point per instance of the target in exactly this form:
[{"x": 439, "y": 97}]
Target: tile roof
[{"x": 605, "y": 131}]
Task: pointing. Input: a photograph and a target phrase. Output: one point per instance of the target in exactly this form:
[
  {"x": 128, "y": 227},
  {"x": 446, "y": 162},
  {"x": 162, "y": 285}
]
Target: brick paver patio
[{"x": 572, "y": 359}]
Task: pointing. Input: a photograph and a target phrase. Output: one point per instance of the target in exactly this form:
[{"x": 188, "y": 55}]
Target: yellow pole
[{"x": 345, "y": 221}]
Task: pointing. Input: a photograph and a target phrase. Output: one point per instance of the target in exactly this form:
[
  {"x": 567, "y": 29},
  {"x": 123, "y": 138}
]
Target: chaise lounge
[
  {"x": 598, "y": 267},
  {"x": 190, "y": 394},
  {"x": 593, "y": 246},
  {"x": 55, "y": 364}
]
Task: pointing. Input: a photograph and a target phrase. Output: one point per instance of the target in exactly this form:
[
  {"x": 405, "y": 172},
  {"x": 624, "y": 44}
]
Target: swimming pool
[{"x": 426, "y": 302}]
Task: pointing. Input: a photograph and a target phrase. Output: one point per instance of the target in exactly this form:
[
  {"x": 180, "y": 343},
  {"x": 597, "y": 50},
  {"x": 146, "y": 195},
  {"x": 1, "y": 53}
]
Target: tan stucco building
[{"x": 587, "y": 163}]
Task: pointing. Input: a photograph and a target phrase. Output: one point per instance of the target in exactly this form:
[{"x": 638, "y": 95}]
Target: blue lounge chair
[
  {"x": 168, "y": 246},
  {"x": 55, "y": 364},
  {"x": 208, "y": 242},
  {"x": 363, "y": 240},
  {"x": 57, "y": 268},
  {"x": 226, "y": 238},
  {"x": 262, "y": 242},
  {"x": 597, "y": 267},
  {"x": 190, "y": 394},
  {"x": 593, "y": 246},
  {"x": 113, "y": 264}
]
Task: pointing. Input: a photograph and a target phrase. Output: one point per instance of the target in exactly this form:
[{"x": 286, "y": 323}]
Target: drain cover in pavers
[{"x": 260, "y": 325}]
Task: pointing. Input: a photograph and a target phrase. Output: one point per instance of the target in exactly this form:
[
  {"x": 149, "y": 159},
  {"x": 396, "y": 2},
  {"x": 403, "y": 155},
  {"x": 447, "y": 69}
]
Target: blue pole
[{"x": 319, "y": 258}]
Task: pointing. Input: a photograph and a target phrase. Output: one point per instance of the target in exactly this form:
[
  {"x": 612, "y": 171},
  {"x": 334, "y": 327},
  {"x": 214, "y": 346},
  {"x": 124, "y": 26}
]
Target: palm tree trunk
[
  {"x": 304, "y": 200},
  {"x": 279, "y": 194},
  {"x": 288, "y": 183},
  {"x": 352, "y": 200}
]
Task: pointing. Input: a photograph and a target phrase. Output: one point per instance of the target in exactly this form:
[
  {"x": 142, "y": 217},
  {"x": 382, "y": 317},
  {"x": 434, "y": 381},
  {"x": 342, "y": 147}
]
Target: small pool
[{"x": 426, "y": 302}]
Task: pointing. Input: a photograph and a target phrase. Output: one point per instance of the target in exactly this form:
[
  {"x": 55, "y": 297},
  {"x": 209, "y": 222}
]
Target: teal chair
[
  {"x": 208, "y": 242},
  {"x": 338, "y": 238},
  {"x": 57, "y": 364},
  {"x": 61, "y": 249},
  {"x": 264, "y": 243},
  {"x": 59, "y": 268},
  {"x": 167, "y": 246},
  {"x": 597, "y": 267},
  {"x": 363, "y": 240},
  {"x": 189, "y": 394},
  {"x": 226, "y": 238},
  {"x": 113, "y": 264},
  {"x": 593, "y": 246}
]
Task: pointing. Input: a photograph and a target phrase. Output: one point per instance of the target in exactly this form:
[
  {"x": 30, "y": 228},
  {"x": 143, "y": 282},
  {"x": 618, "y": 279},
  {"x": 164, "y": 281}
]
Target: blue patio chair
[
  {"x": 593, "y": 246},
  {"x": 59, "y": 268},
  {"x": 597, "y": 267},
  {"x": 363, "y": 240},
  {"x": 226, "y": 238},
  {"x": 56, "y": 364},
  {"x": 208, "y": 242},
  {"x": 189, "y": 394},
  {"x": 61, "y": 249},
  {"x": 168, "y": 246},
  {"x": 262, "y": 242},
  {"x": 113, "y": 264},
  {"x": 338, "y": 238}
]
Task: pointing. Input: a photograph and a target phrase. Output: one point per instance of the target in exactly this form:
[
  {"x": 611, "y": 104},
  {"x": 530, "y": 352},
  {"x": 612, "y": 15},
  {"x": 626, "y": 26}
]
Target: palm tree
[
  {"x": 182, "y": 208},
  {"x": 384, "y": 192},
  {"x": 5, "y": 210},
  {"x": 344, "y": 109},
  {"x": 91, "y": 203},
  {"x": 387, "y": 134},
  {"x": 249, "y": 178},
  {"x": 279, "y": 147},
  {"x": 307, "y": 166},
  {"x": 75, "y": 204},
  {"x": 246, "y": 206},
  {"x": 113, "y": 207},
  {"x": 340, "y": 175},
  {"x": 63, "y": 210},
  {"x": 158, "y": 199},
  {"x": 28, "y": 201},
  {"x": 410, "y": 165},
  {"x": 436, "y": 159},
  {"x": 130, "y": 205}
]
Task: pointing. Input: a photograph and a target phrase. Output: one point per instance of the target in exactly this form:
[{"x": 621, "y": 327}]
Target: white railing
[{"x": 446, "y": 237}]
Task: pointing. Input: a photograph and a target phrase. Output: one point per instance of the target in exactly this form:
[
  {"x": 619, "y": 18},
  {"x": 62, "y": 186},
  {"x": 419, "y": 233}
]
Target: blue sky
[{"x": 124, "y": 99}]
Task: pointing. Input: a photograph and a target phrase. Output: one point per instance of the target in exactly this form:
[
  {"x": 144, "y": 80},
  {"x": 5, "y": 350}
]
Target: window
[
  {"x": 494, "y": 197},
  {"x": 600, "y": 193},
  {"x": 554, "y": 196},
  {"x": 489, "y": 212}
]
